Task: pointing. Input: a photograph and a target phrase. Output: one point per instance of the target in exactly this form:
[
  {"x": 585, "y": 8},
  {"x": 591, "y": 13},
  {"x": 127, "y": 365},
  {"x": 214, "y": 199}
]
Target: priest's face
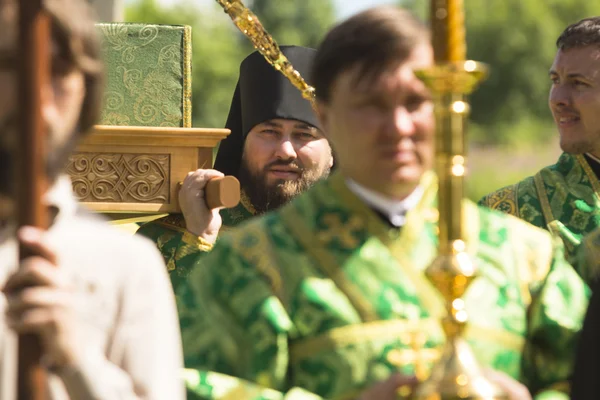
[
  {"x": 282, "y": 158},
  {"x": 382, "y": 127},
  {"x": 575, "y": 98},
  {"x": 61, "y": 102}
]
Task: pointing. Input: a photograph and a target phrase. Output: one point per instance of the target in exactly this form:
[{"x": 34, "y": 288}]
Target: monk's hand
[
  {"x": 513, "y": 388},
  {"x": 199, "y": 220},
  {"x": 395, "y": 387},
  {"x": 41, "y": 300}
]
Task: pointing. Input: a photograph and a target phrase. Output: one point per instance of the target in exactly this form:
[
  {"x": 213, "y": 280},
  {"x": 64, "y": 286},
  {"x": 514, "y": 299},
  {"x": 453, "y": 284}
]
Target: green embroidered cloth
[
  {"x": 562, "y": 198},
  {"x": 322, "y": 298},
  {"x": 148, "y": 74},
  {"x": 180, "y": 255}
]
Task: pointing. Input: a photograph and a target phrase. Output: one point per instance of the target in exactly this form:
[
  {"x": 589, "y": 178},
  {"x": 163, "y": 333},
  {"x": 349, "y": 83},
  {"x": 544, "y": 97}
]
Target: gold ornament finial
[{"x": 248, "y": 23}]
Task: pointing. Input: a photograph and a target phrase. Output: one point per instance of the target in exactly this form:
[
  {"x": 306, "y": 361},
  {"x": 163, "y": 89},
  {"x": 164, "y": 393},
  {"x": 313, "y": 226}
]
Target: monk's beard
[{"x": 265, "y": 196}]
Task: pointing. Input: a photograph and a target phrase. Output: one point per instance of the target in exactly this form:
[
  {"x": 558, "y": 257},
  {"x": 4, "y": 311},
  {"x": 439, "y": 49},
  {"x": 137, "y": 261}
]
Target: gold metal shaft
[
  {"x": 249, "y": 25},
  {"x": 457, "y": 375}
]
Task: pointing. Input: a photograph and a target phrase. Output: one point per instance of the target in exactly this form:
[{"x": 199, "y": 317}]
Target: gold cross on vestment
[
  {"x": 416, "y": 355},
  {"x": 344, "y": 232}
]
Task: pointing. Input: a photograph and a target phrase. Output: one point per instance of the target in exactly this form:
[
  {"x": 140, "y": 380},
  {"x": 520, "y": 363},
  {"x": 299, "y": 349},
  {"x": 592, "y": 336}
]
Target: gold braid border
[
  {"x": 543, "y": 196},
  {"x": 590, "y": 174},
  {"x": 187, "y": 77}
]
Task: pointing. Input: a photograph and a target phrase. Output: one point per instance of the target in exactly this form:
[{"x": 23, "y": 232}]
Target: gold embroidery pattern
[
  {"x": 254, "y": 247},
  {"x": 504, "y": 200},
  {"x": 351, "y": 334},
  {"x": 337, "y": 230},
  {"x": 187, "y": 77},
  {"x": 326, "y": 262},
  {"x": 234, "y": 214},
  {"x": 590, "y": 174},
  {"x": 411, "y": 234},
  {"x": 375, "y": 227},
  {"x": 393, "y": 329},
  {"x": 171, "y": 263},
  {"x": 245, "y": 201},
  {"x": 150, "y": 75},
  {"x": 543, "y": 196},
  {"x": 192, "y": 244}
]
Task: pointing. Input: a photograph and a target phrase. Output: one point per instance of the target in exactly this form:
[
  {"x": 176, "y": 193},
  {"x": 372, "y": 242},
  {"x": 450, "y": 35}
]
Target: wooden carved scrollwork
[{"x": 120, "y": 178}]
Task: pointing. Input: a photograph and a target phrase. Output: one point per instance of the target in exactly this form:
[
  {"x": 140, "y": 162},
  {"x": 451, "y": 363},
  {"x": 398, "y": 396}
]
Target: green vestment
[
  {"x": 322, "y": 298},
  {"x": 562, "y": 198},
  {"x": 179, "y": 247},
  {"x": 586, "y": 259}
]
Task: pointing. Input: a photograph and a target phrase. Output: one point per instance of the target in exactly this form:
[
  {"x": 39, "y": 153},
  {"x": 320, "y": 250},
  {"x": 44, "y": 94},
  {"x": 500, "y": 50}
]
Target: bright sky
[{"x": 344, "y": 8}]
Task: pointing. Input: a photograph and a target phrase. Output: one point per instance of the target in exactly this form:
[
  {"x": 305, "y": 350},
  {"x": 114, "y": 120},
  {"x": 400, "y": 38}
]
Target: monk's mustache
[{"x": 292, "y": 165}]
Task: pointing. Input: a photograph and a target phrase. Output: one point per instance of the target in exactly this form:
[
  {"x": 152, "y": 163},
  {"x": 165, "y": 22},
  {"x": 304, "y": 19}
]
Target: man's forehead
[
  {"x": 579, "y": 60},
  {"x": 392, "y": 79},
  {"x": 398, "y": 74}
]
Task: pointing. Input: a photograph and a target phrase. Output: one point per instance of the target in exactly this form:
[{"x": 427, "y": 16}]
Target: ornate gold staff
[
  {"x": 457, "y": 374},
  {"x": 250, "y": 26}
]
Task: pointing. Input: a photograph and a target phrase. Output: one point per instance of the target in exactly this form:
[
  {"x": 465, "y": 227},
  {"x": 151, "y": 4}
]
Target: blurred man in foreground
[
  {"x": 327, "y": 295},
  {"x": 99, "y": 300}
]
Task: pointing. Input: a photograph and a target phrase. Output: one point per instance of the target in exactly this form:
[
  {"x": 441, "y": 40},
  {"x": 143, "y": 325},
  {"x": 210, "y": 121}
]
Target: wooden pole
[{"x": 33, "y": 78}]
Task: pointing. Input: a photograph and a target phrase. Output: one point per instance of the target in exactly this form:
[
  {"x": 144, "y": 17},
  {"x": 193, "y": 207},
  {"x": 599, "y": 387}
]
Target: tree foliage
[
  {"x": 296, "y": 22},
  {"x": 517, "y": 39}
]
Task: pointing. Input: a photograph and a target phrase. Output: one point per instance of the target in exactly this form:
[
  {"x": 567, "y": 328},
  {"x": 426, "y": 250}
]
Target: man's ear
[{"x": 322, "y": 111}]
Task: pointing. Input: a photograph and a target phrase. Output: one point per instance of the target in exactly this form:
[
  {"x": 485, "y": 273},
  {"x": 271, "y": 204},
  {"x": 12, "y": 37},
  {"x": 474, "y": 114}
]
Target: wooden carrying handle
[{"x": 221, "y": 192}]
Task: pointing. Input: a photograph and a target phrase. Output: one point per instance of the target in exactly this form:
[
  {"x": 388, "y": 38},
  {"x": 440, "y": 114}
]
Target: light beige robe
[{"x": 125, "y": 305}]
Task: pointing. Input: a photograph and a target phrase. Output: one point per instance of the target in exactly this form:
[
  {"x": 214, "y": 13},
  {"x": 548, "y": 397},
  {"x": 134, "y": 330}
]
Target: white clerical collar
[{"x": 394, "y": 210}]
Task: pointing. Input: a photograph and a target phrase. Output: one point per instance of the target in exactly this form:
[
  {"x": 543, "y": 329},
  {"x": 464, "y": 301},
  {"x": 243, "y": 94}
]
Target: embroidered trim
[
  {"x": 196, "y": 242},
  {"x": 187, "y": 77},
  {"x": 543, "y": 196},
  {"x": 347, "y": 335},
  {"x": 326, "y": 262},
  {"x": 260, "y": 255},
  {"x": 245, "y": 201},
  {"x": 392, "y": 329},
  {"x": 504, "y": 198},
  {"x": 429, "y": 296},
  {"x": 590, "y": 174}
]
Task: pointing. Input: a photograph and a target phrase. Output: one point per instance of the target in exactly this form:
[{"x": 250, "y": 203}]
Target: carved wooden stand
[{"x": 133, "y": 170}]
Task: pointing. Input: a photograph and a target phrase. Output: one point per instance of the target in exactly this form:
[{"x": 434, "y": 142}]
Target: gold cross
[
  {"x": 343, "y": 232},
  {"x": 416, "y": 355}
]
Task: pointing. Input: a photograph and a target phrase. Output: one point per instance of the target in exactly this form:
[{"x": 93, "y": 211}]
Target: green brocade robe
[
  {"x": 322, "y": 298},
  {"x": 179, "y": 247},
  {"x": 562, "y": 198}
]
